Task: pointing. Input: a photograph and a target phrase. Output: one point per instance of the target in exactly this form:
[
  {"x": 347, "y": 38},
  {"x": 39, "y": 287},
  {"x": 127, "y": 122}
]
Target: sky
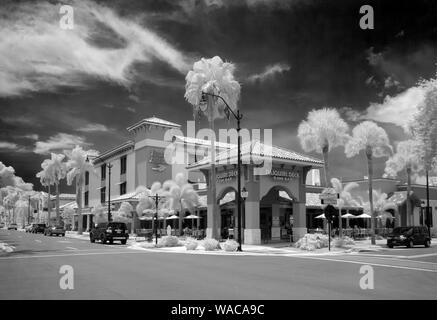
[{"x": 127, "y": 60}]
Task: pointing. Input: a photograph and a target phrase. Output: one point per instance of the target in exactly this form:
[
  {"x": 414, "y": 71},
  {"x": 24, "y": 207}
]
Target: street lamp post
[
  {"x": 428, "y": 217},
  {"x": 109, "y": 192},
  {"x": 238, "y": 117},
  {"x": 157, "y": 198}
]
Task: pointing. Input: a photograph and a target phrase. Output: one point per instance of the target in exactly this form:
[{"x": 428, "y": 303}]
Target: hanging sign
[{"x": 226, "y": 176}]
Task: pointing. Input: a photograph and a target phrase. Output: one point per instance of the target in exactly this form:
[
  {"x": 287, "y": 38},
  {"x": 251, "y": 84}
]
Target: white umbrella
[
  {"x": 192, "y": 216},
  {"x": 172, "y": 217},
  {"x": 363, "y": 216},
  {"x": 348, "y": 215},
  {"x": 322, "y": 216}
]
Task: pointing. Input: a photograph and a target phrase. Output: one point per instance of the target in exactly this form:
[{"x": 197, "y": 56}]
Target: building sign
[
  {"x": 157, "y": 160},
  {"x": 284, "y": 174},
  {"x": 226, "y": 176}
]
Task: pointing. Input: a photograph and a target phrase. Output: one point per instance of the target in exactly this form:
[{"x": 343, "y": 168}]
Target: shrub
[
  {"x": 310, "y": 242},
  {"x": 342, "y": 242},
  {"x": 210, "y": 244},
  {"x": 168, "y": 241},
  {"x": 230, "y": 245},
  {"x": 191, "y": 244}
]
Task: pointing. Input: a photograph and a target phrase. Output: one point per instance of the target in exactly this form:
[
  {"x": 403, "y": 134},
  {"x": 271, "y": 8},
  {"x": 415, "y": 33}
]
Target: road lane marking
[
  {"x": 369, "y": 263},
  {"x": 64, "y": 241},
  {"x": 69, "y": 255},
  {"x": 393, "y": 257},
  {"x": 71, "y": 248},
  {"x": 39, "y": 241}
]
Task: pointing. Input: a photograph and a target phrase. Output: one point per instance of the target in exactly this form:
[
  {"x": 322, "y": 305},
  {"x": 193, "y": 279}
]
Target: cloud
[
  {"x": 94, "y": 127},
  {"x": 31, "y": 136},
  {"x": 59, "y": 142},
  {"x": 398, "y": 109},
  {"x": 37, "y": 55},
  {"x": 8, "y": 145},
  {"x": 269, "y": 72}
]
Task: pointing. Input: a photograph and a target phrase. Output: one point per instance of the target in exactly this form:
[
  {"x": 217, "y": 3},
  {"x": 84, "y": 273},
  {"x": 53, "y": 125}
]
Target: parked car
[
  {"x": 109, "y": 231},
  {"x": 409, "y": 236},
  {"x": 56, "y": 230},
  {"x": 28, "y": 227},
  {"x": 12, "y": 226},
  {"x": 38, "y": 228},
  {"x": 2, "y": 225}
]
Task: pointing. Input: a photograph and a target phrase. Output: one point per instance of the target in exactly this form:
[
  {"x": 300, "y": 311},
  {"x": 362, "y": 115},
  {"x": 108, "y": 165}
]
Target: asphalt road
[{"x": 32, "y": 271}]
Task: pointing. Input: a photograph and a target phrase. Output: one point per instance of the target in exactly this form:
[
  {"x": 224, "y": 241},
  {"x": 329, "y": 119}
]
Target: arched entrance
[
  {"x": 228, "y": 212},
  {"x": 276, "y": 214}
]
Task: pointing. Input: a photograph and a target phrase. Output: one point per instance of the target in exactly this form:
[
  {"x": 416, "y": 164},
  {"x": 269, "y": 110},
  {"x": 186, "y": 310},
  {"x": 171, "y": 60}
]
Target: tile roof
[
  {"x": 202, "y": 142},
  {"x": 259, "y": 150},
  {"x": 154, "y": 121}
]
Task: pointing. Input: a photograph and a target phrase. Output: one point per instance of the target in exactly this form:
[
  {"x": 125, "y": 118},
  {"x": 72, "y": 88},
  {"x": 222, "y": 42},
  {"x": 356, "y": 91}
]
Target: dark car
[
  {"x": 12, "y": 226},
  {"x": 56, "y": 230},
  {"x": 38, "y": 228},
  {"x": 409, "y": 236},
  {"x": 109, "y": 231}
]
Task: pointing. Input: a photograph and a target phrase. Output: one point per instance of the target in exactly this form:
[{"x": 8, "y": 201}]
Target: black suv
[
  {"x": 409, "y": 236},
  {"x": 109, "y": 231},
  {"x": 38, "y": 228}
]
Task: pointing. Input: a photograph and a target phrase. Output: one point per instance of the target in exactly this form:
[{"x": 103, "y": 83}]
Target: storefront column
[
  {"x": 299, "y": 226},
  {"x": 397, "y": 218},
  {"x": 252, "y": 231},
  {"x": 276, "y": 226},
  {"x": 88, "y": 220}
]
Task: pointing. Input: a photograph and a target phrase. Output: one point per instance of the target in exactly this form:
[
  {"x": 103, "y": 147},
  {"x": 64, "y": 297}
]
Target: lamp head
[{"x": 203, "y": 105}]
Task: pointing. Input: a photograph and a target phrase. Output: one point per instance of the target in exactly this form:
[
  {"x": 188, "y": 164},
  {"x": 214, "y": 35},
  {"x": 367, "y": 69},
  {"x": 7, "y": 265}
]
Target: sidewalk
[{"x": 278, "y": 248}]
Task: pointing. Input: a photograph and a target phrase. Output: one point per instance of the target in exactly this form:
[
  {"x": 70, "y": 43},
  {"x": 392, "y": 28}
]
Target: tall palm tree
[
  {"x": 323, "y": 130},
  {"x": 46, "y": 179},
  {"x": 345, "y": 199},
  {"x": 214, "y": 77},
  {"x": 77, "y": 165},
  {"x": 373, "y": 139},
  {"x": 407, "y": 157},
  {"x": 57, "y": 169}
]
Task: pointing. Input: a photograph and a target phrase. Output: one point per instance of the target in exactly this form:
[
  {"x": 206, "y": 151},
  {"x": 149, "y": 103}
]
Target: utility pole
[{"x": 109, "y": 192}]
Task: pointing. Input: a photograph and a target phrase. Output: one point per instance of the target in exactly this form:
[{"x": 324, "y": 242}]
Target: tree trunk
[
  {"x": 372, "y": 213},
  {"x": 58, "y": 217},
  {"x": 409, "y": 211},
  {"x": 132, "y": 227},
  {"x": 340, "y": 222},
  {"x": 181, "y": 220},
  {"x": 212, "y": 186},
  {"x": 326, "y": 165},
  {"x": 49, "y": 209},
  {"x": 79, "y": 207}
]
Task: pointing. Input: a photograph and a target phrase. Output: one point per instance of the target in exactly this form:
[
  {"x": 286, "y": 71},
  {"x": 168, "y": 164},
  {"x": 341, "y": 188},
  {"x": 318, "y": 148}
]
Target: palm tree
[
  {"x": 46, "y": 179},
  {"x": 77, "y": 165},
  {"x": 381, "y": 205},
  {"x": 323, "y": 130},
  {"x": 371, "y": 138},
  {"x": 57, "y": 169},
  {"x": 182, "y": 196},
  {"x": 407, "y": 157},
  {"x": 214, "y": 77},
  {"x": 125, "y": 214},
  {"x": 345, "y": 199}
]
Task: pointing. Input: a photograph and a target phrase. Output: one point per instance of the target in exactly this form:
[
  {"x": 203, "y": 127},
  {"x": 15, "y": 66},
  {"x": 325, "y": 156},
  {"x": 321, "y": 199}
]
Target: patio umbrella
[
  {"x": 348, "y": 216},
  {"x": 322, "y": 216},
  {"x": 172, "y": 217},
  {"x": 192, "y": 217},
  {"x": 364, "y": 216}
]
